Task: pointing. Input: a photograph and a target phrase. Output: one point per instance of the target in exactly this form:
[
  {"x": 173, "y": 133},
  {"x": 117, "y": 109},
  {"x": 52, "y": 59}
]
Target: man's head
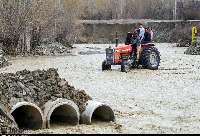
[
  {"x": 135, "y": 34},
  {"x": 147, "y": 29},
  {"x": 140, "y": 24}
]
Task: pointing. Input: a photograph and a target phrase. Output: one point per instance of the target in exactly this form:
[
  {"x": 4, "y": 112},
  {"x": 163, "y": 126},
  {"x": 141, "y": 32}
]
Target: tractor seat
[
  {"x": 128, "y": 38},
  {"x": 148, "y": 44}
]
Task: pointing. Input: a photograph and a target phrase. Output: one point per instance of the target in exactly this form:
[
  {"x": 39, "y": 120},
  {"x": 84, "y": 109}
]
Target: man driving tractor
[
  {"x": 136, "y": 43},
  {"x": 140, "y": 36}
]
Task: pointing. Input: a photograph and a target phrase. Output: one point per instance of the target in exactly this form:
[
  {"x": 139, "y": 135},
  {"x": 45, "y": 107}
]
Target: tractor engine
[{"x": 116, "y": 55}]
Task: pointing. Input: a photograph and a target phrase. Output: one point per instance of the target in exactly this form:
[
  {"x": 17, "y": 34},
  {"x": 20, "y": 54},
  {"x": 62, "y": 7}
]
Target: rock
[
  {"x": 39, "y": 86},
  {"x": 193, "y": 50},
  {"x": 52, "y": 49},
  {"x": 7, "y": 125},
  {"x": 3, "y": 60}
]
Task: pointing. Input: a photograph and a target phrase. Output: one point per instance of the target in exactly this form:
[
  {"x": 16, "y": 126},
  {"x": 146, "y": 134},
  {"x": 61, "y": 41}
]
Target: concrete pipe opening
[
  {"x": 97, "y": 112},
  {"x": 27, "y": 116},
  {"x": 103, "y": 113},
  {"x": 62, "y": 113}
]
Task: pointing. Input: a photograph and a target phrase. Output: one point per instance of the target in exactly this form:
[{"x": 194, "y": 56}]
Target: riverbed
[{"x": 144, "y": 101}]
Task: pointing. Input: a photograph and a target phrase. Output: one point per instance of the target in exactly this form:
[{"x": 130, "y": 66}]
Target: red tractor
[{"x": 125, "y": 55}]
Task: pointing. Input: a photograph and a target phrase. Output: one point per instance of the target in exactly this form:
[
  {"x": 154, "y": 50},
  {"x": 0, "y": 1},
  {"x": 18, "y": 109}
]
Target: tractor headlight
[{"x": 109, "y": 57}]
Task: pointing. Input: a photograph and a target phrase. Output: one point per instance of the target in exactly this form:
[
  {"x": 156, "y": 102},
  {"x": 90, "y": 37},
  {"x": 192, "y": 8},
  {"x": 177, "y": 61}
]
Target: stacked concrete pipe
[
  {"x": 98, "y": 111},
  {"x": 27, "y": 116},
  {"x": 61, "y": 111}
]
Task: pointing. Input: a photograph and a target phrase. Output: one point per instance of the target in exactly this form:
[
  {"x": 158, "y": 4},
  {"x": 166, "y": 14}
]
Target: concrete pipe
[
  {"x": 61, "y": 112},
  {"x": 97, "y": 111},
  {"x": 4, "y": 112},
  {"x": 28, "y": 116}
]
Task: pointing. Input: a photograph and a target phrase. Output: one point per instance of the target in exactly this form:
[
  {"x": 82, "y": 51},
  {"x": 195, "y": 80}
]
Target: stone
[{"x": 3, "y": 60}]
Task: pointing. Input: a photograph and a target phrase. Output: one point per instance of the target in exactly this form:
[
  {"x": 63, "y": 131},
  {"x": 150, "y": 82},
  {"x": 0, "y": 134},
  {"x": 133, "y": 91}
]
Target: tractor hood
[{"x": 123, "y": 48}]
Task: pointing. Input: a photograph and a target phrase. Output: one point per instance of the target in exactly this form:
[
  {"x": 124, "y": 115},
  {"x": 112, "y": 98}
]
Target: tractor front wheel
[
  {"x": 105, "y": 66},
  {"x": 126, "y": 65}
]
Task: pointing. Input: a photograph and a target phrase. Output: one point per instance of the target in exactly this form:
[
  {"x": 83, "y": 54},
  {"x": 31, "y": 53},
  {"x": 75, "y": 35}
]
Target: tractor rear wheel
[
  {"x": 150, "y": 58},
  {"x": 105, "y": 66}
]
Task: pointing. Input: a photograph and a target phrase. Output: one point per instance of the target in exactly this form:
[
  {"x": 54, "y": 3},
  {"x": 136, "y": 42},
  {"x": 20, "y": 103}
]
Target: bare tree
[
  {"x": 27, "y": 22},
  {"x": 122, "y": 9}
]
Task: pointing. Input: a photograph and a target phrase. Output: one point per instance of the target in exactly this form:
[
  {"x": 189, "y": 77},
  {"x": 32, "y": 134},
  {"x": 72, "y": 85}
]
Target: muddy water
[{"x": 162, "y": 101}]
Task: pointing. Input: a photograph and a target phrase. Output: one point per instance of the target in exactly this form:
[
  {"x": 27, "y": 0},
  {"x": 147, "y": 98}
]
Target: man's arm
[{"x": 141, "y": 34}]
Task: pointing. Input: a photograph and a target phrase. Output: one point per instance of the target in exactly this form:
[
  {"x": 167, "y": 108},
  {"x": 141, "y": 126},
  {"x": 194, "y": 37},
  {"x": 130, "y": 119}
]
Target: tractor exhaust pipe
[
  {"x": 27, "y": 116},
  {"x": 117, "y": 40},
  {"x": 61, "y": 112},
  {"x": 97, "y": 111}
]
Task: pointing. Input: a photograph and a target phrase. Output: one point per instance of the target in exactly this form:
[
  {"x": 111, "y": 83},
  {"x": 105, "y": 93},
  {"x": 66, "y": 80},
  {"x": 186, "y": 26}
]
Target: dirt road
[{"x": 162, "y": 101}]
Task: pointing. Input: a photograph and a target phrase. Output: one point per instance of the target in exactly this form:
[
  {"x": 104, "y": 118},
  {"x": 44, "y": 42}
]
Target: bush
[{"x": 182, "y": 36}]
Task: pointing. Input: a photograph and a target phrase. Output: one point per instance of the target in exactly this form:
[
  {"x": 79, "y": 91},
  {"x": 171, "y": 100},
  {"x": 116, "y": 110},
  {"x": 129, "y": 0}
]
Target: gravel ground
[{"x": 144, "y": 101}]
